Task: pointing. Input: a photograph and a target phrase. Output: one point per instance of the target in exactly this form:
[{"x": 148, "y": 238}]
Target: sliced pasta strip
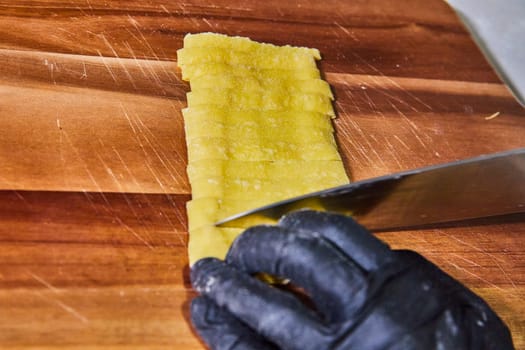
[
  {"x": 263, "y": 119},
  {"x": 260, "y": 150},
  {"x": 250, "y": 83},
  {"x": 251, "y": 132},
  {"x": 230, "y": 189},
  {"x": 276, "y": 100},
  {"x": 325, "y": 170},
  {"x": 193, "y": 71},
  {"x": 280, "y": 60},
  {"x": 237, "y": 43},
  {"x": 206, "y": 211}
]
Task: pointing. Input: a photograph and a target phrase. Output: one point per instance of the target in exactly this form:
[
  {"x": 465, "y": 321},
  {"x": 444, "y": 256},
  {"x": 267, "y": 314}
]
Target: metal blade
[{"x": 484, "y": 186}]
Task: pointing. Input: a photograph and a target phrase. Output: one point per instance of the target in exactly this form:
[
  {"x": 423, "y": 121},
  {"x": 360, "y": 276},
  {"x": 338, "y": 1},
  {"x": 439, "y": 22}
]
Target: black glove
[{"x": 365, "y": 295}]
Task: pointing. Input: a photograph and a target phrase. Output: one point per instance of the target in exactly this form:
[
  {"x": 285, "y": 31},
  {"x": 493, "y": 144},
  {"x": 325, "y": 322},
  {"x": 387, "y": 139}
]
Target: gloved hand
[{"x": 366, "y": 296}]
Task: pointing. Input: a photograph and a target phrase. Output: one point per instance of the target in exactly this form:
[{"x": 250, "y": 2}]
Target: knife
[{"x": 485, "y": 186}]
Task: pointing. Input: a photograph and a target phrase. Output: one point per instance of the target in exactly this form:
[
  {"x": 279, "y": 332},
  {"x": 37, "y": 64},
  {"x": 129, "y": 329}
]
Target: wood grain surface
[{"x": 92, "y": 153}]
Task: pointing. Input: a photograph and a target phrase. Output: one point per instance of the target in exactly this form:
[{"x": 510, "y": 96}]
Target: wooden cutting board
[{"x": 92, "y": 154}]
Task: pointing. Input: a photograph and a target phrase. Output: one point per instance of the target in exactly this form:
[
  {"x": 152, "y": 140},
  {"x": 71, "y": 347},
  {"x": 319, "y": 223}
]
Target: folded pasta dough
[{"x": 258, "y": 130}]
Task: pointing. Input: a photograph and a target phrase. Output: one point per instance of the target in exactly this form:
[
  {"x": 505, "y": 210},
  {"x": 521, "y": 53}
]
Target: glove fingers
[
  {"x": 277, "y": 316},
  {"x": 221, "y": 331},
  {"x": 355, "y": 240},
  {"x": 335, "y": 283}
]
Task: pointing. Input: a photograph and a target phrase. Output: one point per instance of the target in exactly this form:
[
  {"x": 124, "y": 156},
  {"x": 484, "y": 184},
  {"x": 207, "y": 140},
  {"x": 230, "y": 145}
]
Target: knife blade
[{"x": 485, "y": 186}]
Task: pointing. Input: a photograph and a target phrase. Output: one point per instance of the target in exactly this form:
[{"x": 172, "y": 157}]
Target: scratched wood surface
[{"x": 92, "y": 155}]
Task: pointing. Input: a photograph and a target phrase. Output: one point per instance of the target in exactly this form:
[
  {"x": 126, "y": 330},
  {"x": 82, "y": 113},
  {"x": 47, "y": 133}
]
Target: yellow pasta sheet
[{"x": 258, "y": 130}]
